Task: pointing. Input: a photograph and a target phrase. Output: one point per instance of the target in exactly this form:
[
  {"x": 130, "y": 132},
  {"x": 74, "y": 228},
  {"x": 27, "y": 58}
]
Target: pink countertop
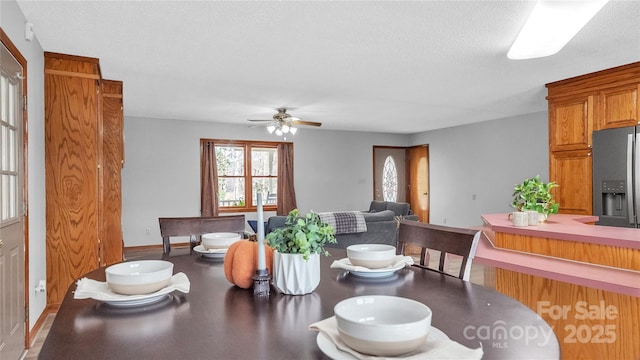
[
  {"x": 568, "y": 227},
  {"x": 606, "y": 278}
]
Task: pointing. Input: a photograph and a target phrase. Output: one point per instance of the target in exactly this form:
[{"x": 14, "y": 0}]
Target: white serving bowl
[
  {"x": 372, "y": 256},
  {"x": 139, "y": 277},
  {"x": 220, "y": 240},
  {"x": 383, "y": 325}
]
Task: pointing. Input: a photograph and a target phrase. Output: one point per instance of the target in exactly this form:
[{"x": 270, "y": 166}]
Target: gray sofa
[
  {"x": 381, "y": 229},
  {"x": 399, "y": 209},
  {"x": 382, "y": 226}
]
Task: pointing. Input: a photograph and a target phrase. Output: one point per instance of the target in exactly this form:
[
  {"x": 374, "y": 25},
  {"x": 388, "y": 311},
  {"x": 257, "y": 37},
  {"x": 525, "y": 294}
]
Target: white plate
[
  {"x": 329, "y": 348},
  {"x": 137, "y": 302},
  {"x": 374, "y": 273},
  {"x": 210, "y": 253},
  {"x": 99, "y": 290}
]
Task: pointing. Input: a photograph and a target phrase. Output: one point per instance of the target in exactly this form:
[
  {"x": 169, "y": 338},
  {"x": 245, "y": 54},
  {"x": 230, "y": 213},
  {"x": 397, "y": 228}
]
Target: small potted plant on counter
[
  {"x": 535, "y": 195},
  {"x": 298, "y": 245}
]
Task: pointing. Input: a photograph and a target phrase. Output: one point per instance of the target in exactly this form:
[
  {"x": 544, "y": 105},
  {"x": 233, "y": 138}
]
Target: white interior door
[{"x": 12, "y": 276}]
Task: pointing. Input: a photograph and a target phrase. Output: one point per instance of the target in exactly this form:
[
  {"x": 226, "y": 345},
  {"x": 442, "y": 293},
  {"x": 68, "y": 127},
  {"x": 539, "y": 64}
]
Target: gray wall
[
  {"x": 333, "y": 170},
  {"x": 12, "y": 21},
  {"x": 484, "y": 160}
]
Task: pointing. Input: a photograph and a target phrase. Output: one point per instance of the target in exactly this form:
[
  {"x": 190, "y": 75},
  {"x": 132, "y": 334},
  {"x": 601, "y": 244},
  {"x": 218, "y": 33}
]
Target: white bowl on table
[
  {"x": 219, "y": 240},
  {"x": 383, "y": 325},
  {"x": 139, "y": 277},
  {"x": 372, "y": 256}
]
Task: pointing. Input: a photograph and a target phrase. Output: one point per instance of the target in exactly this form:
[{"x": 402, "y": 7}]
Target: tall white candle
[{"x": 260, "y": 226}]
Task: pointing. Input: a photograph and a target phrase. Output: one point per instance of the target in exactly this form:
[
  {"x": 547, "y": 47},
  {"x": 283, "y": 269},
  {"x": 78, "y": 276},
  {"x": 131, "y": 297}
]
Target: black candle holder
[{"x": 261, "y": 283}]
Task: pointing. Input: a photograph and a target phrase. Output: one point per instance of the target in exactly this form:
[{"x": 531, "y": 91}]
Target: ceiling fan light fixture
[
  {"x": 283, "y": 123},
  {"x": 551, "y": 25}
]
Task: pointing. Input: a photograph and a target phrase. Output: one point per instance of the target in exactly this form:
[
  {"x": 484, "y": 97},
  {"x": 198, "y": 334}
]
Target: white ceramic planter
[{"x": 294, "y": 275}]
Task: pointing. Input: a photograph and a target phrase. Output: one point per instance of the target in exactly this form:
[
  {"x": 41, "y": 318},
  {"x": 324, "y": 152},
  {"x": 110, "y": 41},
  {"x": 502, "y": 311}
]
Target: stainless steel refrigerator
[{"x": 616, "y": 176}]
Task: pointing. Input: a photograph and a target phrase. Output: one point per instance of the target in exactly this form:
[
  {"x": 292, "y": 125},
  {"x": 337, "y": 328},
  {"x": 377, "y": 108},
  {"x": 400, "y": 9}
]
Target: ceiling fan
[{"x": 283, "y": 123}]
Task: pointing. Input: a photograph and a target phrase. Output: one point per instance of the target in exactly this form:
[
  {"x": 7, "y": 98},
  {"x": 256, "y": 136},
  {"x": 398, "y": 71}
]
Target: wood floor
[
  {"x": 477, "y": 277},
  {"x": 33, "y": 352}
]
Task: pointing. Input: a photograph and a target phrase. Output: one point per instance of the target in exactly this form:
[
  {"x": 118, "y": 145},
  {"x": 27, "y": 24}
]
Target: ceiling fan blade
[
  {"x": 261, "y": 120},
  {"x": 302, "y": 122},
  {"x": 260, "y": 125}
]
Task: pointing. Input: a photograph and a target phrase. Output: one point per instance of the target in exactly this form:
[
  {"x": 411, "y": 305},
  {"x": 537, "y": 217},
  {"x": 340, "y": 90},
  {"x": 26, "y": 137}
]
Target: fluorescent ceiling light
[{"x": 550, "y": 27}]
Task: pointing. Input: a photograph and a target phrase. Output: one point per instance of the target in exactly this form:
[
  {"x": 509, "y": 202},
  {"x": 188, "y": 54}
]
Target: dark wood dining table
[{"x": 217, "y": 320}]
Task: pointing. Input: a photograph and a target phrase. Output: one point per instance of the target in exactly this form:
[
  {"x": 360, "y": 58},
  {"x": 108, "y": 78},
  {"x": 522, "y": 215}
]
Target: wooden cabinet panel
[
  {"x": 619, "y": 106},
  {"x": 607, "y": 255},
  {"x": 580, "y": 337},
  {"x": 572, "y": 171},
  {"x": 83, "y": 159},
  {"x": 571, "y": 123},
  {"x": 111, "y": 179},
  {"x": 71, "y": 181}
]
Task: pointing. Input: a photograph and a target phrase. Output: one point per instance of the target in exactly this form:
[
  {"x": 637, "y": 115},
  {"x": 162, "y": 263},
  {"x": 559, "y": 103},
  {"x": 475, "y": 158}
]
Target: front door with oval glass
[
  {"x": 402, "y": 174},
  {"x": 389, "y": 174}
]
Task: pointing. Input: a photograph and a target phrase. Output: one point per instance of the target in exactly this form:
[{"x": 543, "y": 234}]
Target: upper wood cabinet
[
  {"x": 83, "y": 201},
  {"x": 578, "y": 106},
  {"x": 618, "y": 106},
  {"x": 571, "y": 122},
  {"x": 608, "y": 98}
]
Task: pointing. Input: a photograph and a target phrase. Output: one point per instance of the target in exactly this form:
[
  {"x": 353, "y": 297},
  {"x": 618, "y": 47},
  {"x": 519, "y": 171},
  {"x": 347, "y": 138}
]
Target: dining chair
[
  {"x": 272, "y": 199},
  {"x": 445, "y": 239},
  {"x": 194, "y": 227}
]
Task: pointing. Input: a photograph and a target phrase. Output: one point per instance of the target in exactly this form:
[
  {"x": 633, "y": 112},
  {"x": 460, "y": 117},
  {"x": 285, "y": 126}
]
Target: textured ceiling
[{"x": 382, "y": 66}]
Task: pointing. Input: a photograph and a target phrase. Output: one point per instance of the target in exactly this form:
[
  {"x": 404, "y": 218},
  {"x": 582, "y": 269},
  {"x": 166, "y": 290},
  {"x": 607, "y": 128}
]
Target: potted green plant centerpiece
[
  {"x": 298, "y": 245},
  {"x": 535, "y": 195}
]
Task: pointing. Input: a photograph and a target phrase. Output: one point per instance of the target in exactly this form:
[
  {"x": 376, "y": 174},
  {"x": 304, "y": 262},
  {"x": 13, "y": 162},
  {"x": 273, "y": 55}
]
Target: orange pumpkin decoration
[{"x": 241, "y": 262}]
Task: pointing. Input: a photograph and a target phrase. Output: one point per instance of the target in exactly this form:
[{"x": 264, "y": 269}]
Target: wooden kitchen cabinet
[
  {"x": 572, "y": 171},
  {"x": 619, "y": 106},
  {"x": 571, "y": 122},
  {"x": 578, "y": 106},
  {"x": 82, "y": 201}
]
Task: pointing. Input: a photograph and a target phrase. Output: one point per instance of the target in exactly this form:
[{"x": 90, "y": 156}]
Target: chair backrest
[
  {"x": 194, "y": 227},
  {"x": 445, "y": 239},
  {"x": 271, "y": 199}
]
